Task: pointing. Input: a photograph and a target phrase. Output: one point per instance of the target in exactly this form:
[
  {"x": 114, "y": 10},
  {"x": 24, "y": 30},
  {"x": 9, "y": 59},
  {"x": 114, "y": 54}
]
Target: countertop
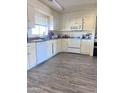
[{"x": 43, "y": 40}]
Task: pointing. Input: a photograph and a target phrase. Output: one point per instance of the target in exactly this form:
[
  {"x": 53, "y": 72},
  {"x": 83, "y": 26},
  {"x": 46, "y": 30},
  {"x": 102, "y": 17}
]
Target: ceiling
[{"x": 71, "y": 5}]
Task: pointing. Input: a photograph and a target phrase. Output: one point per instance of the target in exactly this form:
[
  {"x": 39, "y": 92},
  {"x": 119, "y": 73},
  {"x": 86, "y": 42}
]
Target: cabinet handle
[{"x": 52, "y": 49}]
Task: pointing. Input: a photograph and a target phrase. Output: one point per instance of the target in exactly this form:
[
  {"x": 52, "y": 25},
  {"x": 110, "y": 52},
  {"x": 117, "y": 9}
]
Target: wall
[{"x": 40, "y": 7}]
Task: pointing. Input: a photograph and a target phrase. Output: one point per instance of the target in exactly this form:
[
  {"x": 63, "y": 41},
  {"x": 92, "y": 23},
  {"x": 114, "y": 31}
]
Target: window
[
  {"x": 40, "y": 30},
  {"x": 43, "y": 30},
  {"x": 41, "y": 25},
  {"x": 35, "y": 30}
]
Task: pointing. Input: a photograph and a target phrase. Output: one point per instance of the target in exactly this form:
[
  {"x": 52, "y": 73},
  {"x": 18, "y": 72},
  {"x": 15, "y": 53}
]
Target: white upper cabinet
[
  {"x": 80, "y": 20},
  {"x": 89, "y": 23},
  {"x": 30, "y": 16},
  {"x": 55, "y": 21},
  {"x": 78, "y": 23}
]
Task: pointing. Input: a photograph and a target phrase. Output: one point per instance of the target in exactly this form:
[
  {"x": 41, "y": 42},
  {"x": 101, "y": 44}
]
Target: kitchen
[{"x": 60, "y": 30}]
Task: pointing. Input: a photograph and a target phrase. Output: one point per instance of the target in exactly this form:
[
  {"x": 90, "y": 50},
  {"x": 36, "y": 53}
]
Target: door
[{"x": 41, "y": 52}]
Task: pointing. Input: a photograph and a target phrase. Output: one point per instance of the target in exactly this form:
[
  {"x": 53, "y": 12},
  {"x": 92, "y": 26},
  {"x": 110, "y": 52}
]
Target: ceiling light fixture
[{"x": 57, "y": 4}]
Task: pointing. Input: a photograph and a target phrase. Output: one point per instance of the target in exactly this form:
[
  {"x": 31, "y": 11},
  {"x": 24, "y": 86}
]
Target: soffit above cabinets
[
  {"x": 54, "y": 4},
  {"x": 70, "y": 5}
]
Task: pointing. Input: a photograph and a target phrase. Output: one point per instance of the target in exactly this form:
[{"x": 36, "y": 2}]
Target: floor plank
[{"x": 64, "y": 73}]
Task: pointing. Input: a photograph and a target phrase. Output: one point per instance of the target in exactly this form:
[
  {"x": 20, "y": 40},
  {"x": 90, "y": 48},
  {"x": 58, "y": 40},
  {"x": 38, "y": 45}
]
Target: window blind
[
  {"x": 41, "y": 19},
  {"x": 41, "y": 24}
]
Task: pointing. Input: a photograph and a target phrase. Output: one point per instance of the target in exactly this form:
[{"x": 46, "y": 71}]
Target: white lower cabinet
[
  {"x": 74, "y": 50},
  {"x": 59, "y": 45},
  {"x": 54, "y": 47},
  {"x": 74, "y": 45},
  {"x": 42, "y": 49},
  {"x": 64, "y": 45},
  {"x": 31, "y": 60},
  {"x": 86, "y": 47},
  {"x": 28, "y": 62},
  {"x": 49, "y": 49}
]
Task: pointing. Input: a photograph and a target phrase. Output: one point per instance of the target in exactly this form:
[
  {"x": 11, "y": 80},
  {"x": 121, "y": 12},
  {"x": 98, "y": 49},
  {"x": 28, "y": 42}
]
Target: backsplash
[
  {"x": 60, "y": 34},
  {"x": 74, "y": 34}
]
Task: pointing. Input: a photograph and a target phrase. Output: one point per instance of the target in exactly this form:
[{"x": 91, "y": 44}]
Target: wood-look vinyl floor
[{"x": 64, "y": 73}]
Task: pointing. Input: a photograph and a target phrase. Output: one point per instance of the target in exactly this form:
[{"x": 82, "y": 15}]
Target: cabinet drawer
[
  {"x": 74, "y": 50},
  {"x": 74, "y": 43}
]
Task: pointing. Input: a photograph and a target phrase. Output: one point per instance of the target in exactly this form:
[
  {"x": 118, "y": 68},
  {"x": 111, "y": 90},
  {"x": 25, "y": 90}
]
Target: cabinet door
[
  {"x": 65, "y": 45},
  {"x": 31, "y": 55},
  {"x": 85, "y": 47},
  {"x": 28, "y": 59},
  {"x": 30, "y": 16},
  {"x": 65, "y": 24},
  {"x": 74, "y": 43},
  {"x": 56, "y": 22},
  {"x": 89, "y": 23},
  {"x": 59, "y": 45},
  {"x": 49, "y": 49},
  {"x": 41, "y": 52},
  {"x": 55, "y": 50}
]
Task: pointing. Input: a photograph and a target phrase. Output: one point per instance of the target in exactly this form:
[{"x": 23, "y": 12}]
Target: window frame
[{"x": 39, "y": 34}]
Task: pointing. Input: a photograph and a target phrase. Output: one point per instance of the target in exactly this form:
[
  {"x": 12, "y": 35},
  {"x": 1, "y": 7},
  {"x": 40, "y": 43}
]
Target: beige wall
[{"x": 54, "y": 16}]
